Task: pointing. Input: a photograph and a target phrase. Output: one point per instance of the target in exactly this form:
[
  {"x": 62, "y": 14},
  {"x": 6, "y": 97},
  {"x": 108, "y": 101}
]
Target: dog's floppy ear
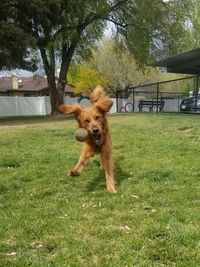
[
  {"x": 104, "y": 104},
  {"x": 70, "y": 109}
]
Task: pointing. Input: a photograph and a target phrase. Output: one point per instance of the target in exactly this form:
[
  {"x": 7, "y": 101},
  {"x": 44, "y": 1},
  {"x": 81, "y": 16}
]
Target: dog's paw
[
  {"x": 101, "y": 168},
  {"x": 73, "y": 172},
  {"x": 112, "y": 191},
  {"x": 111, "y": 188}
]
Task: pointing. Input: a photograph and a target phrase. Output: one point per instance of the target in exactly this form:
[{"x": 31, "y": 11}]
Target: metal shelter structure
[{"x": 185, "y": 63}]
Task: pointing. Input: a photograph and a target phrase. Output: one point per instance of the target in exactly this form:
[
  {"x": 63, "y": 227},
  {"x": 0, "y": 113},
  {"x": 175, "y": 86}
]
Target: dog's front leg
[
  {"x": 108, "y": 166},
  {"x": 84, "y": 157}
]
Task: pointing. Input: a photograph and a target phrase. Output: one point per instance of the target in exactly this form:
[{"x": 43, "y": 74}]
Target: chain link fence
[{"x": 166, "y": 96}]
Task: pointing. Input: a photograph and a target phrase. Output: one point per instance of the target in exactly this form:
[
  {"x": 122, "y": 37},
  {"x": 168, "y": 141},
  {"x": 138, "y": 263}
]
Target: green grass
[{"x": 50, "y": 219}]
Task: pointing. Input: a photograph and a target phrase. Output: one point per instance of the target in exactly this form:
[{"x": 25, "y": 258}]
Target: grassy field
[{"x": 50, "y": 219}]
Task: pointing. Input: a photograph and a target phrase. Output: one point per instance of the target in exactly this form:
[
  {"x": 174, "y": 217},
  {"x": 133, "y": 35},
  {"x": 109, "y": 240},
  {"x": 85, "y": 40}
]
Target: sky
[
  {"x": 22, "y": 73},
  {"x": 25, "y": 73}
]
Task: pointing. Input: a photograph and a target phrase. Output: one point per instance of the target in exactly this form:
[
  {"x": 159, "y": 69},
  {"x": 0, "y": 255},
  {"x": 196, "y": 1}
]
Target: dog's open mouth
[{"x": 97, "y": 138}]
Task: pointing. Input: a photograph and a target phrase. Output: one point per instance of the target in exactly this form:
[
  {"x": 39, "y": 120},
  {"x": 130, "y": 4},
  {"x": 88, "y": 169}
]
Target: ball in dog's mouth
[
  {"x": 81, "y": 134},
  {"x": 98, "y": 139}
]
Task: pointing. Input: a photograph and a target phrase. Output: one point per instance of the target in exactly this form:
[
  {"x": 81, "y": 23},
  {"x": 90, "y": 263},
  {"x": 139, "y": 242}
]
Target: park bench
[{"x": 151, "y": 104}]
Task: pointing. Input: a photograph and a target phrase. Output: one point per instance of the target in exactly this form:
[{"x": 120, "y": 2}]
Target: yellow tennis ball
[{"x": 81, "y": 134}]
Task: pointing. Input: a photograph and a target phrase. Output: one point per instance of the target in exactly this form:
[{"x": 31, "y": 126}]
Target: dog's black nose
[{"x": 95, "y": 130}]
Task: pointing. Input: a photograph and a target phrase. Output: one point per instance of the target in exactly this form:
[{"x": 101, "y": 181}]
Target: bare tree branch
[
  {"x": 117, "y": 22},
  {"x": 101, "y": 15}
]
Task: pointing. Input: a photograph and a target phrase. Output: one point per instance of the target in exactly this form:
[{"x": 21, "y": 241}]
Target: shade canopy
[{"x": 187, "y": 63}]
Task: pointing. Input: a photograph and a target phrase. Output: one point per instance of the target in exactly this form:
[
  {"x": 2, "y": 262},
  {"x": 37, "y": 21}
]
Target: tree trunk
[
  {"x": 56, "y": 93},
  {"x": 61, "y": 91},
  {"x": 57, "y": 90},
  {"x": 53, "y": 92},
  {"x": 60, "y": 87}
]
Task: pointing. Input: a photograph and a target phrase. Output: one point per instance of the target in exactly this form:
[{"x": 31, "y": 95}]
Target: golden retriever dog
[{"x": 93, "y": 119}]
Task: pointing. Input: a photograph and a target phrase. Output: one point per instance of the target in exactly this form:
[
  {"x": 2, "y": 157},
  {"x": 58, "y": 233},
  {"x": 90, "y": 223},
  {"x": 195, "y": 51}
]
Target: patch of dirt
[
  {"x": 23, "y": 121},
  {"x": 185, "y": 129}
]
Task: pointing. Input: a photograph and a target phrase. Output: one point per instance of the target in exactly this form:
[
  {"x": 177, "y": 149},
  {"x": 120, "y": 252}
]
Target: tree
[
  {"x": 85, "y": 78},
  {"x": 189, "y": 12},
  {"x": 118, "y": 66},
  {"x": 63, "y": 29},
  {"x": 14, "y": 43},
  {"x": 181, "y": 26},
  {"x": 120, "y": 69}
]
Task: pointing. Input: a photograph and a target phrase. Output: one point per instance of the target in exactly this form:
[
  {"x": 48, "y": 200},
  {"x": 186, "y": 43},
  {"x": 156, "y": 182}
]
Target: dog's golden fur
[{"x": 93, "y": 119}]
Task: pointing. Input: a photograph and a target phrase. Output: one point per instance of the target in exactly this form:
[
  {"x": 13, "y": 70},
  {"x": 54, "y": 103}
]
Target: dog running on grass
[{"x": 93, "y": 119}]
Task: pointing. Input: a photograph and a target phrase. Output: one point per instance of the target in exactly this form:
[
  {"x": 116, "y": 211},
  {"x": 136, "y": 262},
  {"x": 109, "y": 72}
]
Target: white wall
[
  {"x": 30, "y": 106},
  {"x": 24, "y": 106},
  {"x": 172, "y": 105}
]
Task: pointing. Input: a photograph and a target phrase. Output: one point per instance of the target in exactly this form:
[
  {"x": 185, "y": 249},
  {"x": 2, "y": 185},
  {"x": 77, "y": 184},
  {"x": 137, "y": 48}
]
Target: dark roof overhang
[{"x": 186, "y": 63}]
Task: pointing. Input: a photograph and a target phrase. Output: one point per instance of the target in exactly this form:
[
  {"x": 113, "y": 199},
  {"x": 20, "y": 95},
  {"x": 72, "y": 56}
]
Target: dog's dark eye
[
  {"x": 87, "y": 120},
  {"x": 97, "y": 117}
]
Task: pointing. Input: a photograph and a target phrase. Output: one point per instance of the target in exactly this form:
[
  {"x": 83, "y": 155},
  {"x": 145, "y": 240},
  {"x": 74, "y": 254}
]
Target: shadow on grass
[
  {"x": 158, "y": 175},
  {"x": 10, "y": 163},
  {"x": 99, "y": 181}
]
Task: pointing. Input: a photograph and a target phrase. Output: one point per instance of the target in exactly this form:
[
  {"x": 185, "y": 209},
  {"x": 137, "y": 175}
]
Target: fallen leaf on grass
[
  {"x": 63, "y": 217},
  {"x": 154, "y": 210},
  {"x": 125, "y": 228},
  {"x": 45, "y": 246},
  {"x": 11, "y": 241},
  {"x": 162, "y": 249},
  {"x": 11, "y": 254},
  {"x": 147, "y": 207},
  {"x": 134, "y": 196},
  {"x": 36, "y": 245}
]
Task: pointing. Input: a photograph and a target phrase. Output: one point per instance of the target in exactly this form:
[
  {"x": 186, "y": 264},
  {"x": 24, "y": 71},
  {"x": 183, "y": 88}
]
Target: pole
[
  {"x": 196, "y": 93},
  {"x": 133, "y": 100},
  {"x": 157, "y": 91},
  {"x": 117, "y": 101}
]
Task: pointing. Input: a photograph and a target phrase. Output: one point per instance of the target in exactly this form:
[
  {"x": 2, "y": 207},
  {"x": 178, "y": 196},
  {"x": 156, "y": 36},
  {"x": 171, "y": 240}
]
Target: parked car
[{"x": 188, "y": 104}]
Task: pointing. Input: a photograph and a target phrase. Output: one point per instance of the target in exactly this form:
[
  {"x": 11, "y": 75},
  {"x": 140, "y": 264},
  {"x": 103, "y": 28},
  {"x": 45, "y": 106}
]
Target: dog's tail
[{"x": 97, "y": 94}]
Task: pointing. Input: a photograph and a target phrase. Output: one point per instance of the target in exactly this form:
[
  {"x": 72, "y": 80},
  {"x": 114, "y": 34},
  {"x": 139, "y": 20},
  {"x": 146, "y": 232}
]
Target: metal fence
[{"x": 163, "y": 96}]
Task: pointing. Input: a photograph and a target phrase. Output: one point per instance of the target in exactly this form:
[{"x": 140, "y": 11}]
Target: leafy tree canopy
[
  {"x": 13, "y": 48},
  {"x": 117, "y": 69},
  {"x": 85, "y": 78},
  {"x": 120, "y": 69}
]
